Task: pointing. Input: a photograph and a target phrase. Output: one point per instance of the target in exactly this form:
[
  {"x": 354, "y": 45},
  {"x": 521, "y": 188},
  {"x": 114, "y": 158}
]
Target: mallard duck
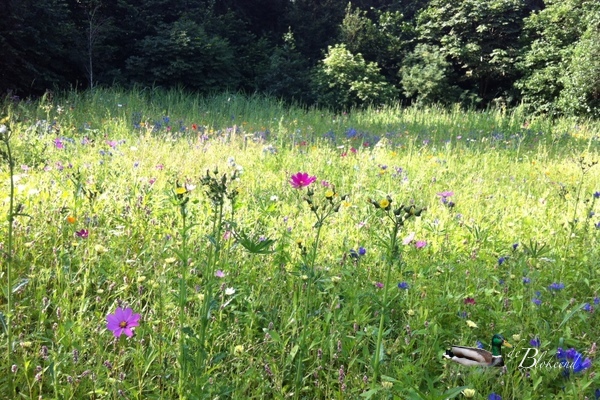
[{"x": 472, "y": 356}]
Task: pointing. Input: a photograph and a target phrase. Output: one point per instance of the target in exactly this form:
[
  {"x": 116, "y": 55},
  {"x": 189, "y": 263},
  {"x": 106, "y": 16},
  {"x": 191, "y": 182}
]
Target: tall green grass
[{"x": 296, "y": 312}]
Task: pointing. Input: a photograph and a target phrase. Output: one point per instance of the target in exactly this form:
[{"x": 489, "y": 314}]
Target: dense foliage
[{"x": 540, "y": 53}]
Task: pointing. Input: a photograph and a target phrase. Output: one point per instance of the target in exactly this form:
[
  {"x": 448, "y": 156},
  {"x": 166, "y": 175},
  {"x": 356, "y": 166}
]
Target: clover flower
[{"x": 122, "y": 321}]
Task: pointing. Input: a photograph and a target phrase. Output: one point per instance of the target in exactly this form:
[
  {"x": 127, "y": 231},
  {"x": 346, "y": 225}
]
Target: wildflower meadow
[{"x": 161, "y": 245}]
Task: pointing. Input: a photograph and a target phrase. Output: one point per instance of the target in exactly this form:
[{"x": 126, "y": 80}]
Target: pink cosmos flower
[
  {"x": 122, "y": 321},
  {"x": 219, "y": 274},
  {"x": 301, "y": 179},
  {"x": 420, "y": 244}
]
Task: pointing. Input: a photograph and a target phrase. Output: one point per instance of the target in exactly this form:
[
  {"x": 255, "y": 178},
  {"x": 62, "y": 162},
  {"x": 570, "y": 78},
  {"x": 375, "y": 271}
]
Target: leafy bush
[{"x": 345, "y": 80}]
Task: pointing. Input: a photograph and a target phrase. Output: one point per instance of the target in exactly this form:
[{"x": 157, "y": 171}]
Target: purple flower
[
  {"x": 515, "y": 245},
  {"x": 494, "y": 396},
  {"x": 403, "y": 285},
  {"x": 479, "y": 345},
  {"x": 501, "y": 260},
  {"x": 536, "y": 301},
  {"x": 378, "y": 285},
  {"x": 446, "y": 194},
  {"x": 84, "y": 233},
  {"x": 122, "y": 321},
  {"x": 301, "y": 179},
  {"x": 587, "y": 307},
  {"x": 535, "y": 342},
  {"x": 597, "y": 195},
  {"x": 362, "y": 251},
  {"x": 58, "y": 143},
  {"x": 556, "y": 286},
  {"x": 420, "y": 244},
  {"x": 219, "y": 274},
  {"x": 526, "y": 280}
]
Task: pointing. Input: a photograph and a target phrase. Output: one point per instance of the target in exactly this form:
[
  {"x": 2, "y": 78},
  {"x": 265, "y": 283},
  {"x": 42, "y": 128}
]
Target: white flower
[{"x": 229, "y": 291}]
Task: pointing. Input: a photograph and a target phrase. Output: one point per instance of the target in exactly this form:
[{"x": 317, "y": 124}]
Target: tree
[
  {"x": 346, "y": 80},
  {"x": 558, "y": 63},
  {"x": 182, "y": 53},
  {"x": 37, "y": 42},
  {"x": 481, "y": 40},
  {"x": 426, "y": 76}
]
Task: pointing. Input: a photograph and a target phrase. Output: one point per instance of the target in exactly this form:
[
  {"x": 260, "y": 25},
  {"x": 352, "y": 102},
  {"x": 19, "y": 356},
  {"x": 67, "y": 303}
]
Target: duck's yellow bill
[{"x": 505, "y": 343}]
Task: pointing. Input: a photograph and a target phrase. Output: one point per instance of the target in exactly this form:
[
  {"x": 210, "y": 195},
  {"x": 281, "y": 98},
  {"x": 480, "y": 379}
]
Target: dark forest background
[{"x": 543, "y": 54}]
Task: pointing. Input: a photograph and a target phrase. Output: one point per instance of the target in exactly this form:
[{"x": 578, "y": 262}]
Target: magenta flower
[
  {"x": 84, "y": 233},
  {"x": 445, "y": 194},
  {"x": 301, "y": 179},
  {"x": 420, "y": 244},
  {"x": 220, "y": 274},
  {"x": 122, "y": 321},
  {"x": 58, "y": 143}
]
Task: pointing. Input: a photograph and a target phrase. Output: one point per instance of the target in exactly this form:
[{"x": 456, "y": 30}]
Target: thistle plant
[
  {"x": 180, "y": 198},
  {"x": 397, "y": 218}
]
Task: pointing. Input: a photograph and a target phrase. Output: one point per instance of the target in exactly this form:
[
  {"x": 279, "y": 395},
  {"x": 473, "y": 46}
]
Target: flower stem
[{"x": 391, "y": 257}]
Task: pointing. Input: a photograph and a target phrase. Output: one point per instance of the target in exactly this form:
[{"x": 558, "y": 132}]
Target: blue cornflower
[
  {"x": 597, "y": 195},
  {"x": 556, "y": 286},
  {"x": 536, "y": 301},
  {"x": 587, "y": 307},
  {"x": 501, "y": 260},
  {"x": 596, "y": 300},
  {"x": 515, "y": 245},
  {"x": 479, "y": 345},
  {"x": 572, "y": 358},
  {"x": 350, "y": 133},
  {"x": 535, "y": 342},
  {"x": 494, "y": 396},
  {"x": 526, "y": 280},
  {"x": 362, "y": 251},
  {"x": 403, "y": 285}
]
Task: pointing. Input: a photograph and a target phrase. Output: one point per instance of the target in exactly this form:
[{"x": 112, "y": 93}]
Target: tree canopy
[{"x": 339, "y": 54}]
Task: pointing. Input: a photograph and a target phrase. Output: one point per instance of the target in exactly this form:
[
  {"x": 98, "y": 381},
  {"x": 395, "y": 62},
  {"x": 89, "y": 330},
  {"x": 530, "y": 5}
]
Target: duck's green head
[{"x": 497, "y": 342}]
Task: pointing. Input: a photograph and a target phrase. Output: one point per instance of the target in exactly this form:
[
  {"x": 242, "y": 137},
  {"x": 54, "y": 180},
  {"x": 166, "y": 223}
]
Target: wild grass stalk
[{"x": 7, "y": 320}]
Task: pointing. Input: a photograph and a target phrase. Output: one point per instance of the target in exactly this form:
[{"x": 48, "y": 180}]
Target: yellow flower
[
  {"x": 385, "y": 203},
  {"x": 471, "y": 324},
  {"x": 304, "y": 277},
  {"x": 170, "y": 260},
  {"x": 71, "y": 219},
  {"x": 411, "y": 312},
  {"x": 336, "y": 279},
  {"x": 329, "y": 194},
  {"x": 387, "y": 384},
  {"x": 468, "y": 393},
  {"x": 100, "y": 249},
  {"x": 180, "y": 190},
  {"x": 516, "y": 337},
  {"x": 200, "y": 296},
  {"x": 238, "y": 350}
]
